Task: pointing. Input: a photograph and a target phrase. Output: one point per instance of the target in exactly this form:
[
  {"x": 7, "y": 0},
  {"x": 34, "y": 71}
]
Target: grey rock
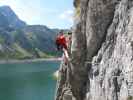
[{"x": 101, "y": 65}]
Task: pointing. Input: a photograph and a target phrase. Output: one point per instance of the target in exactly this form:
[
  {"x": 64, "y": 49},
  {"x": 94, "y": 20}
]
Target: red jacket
[{"x": 61, "y": 41}]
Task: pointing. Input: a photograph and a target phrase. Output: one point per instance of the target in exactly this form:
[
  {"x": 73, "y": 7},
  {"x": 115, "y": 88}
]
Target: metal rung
[
  {"x": 130, "y": 89},
  {"x": 130, "y": 81},
  {"x": 129, "y": 71},
  {"x": 118, "y": 76},
  {"x": 88, "y": 62}
]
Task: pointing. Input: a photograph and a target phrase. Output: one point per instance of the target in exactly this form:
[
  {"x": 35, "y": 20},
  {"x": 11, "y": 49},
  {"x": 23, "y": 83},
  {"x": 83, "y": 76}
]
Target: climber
[
  {"x": 62, "y": 44},
  {"x": 61, "y": 41}
]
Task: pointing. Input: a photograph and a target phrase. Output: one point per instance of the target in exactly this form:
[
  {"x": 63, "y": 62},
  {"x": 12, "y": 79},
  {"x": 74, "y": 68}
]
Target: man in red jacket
[{"x": 61, "y": 43}]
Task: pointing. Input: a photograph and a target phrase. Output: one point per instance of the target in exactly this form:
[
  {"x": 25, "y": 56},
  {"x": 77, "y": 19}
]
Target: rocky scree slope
[{"x": 101, "y": 53}]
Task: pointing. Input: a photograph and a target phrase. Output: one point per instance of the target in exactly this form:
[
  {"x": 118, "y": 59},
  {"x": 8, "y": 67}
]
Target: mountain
[
  {"x": 21, "y": 41},
  {"x": 100, "y": 65},
  {"x": 11, "y": 17},
  {"x": 41, "y": 37},
  {"x": 3, "y": 22}
]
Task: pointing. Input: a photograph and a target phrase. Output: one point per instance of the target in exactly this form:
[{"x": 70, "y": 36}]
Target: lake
[{"x": 28, "y": 81}]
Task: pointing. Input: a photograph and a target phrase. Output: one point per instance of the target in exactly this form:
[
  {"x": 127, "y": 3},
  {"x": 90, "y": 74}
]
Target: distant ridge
[{"x": 21, "y": 41}]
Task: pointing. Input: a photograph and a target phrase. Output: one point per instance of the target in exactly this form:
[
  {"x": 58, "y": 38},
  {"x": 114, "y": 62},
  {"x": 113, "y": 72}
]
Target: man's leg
[{"x": 65, "y": 56}]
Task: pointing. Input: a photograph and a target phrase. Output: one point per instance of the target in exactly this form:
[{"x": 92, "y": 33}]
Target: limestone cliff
[{"x": 101, "y": 54}]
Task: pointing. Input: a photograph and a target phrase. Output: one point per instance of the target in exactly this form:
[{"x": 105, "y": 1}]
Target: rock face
[{"x": 101, "y": 54}]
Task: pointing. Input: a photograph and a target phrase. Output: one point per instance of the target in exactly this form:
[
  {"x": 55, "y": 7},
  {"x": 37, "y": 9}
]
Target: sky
[{"x": 52, "y": 13}]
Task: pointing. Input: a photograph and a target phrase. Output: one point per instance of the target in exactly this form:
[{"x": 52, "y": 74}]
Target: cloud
[
  {"x": 21, "y": 9},
  {"x": 42, "y": 11},
  {"x": 26, "y": 10},
  {"x": 67, "y": 15}
]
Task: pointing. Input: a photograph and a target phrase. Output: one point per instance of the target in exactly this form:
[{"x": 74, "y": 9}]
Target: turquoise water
[{"x": 28, "y": 81}]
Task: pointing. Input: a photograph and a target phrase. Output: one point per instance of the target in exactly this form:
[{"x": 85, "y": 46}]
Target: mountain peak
[
  {"x": 11, "y": 17},
  {"x": 6, "y": 7}
]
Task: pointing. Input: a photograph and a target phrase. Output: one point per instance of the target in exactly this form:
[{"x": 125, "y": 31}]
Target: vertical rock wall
[{"x": 100, "y": 64}]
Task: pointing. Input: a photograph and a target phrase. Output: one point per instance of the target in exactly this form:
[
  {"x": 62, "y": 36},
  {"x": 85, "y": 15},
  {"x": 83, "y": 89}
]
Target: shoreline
[{"x": 11, "y": 61}]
